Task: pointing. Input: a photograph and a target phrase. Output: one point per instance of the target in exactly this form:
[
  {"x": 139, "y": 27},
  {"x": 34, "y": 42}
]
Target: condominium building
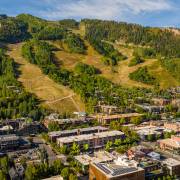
[
  {"x": 154, "y": 131},
  {"x": 9, "y": 142},
  {"x": 151, "y": 108},
  {"x": 74, "y": 132},
  {"x": 171, "y": 144},
  {"x": 95, "y": 141},
  {"x": 54, "y": 118},
  {"x": 107, "y": 119},
  {"x": 152, "y": 168},
  {"x": 173, "y": 125},
  {"x": 122, "y": 168},
  {"x": 98, "y": 157},
  {"x": 173, "y": 166},
  {"x": 160, "y": 101}
]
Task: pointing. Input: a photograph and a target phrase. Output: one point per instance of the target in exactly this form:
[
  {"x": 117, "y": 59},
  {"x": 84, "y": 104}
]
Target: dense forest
[
  {"x": 136, "y": 60},
  {"x": 12, "y": 30},
  {"x": 75, "y": 44},
  {"x": 14, "y": 101},
  {"x": 148, "y": 42},
  {"x": 152, "y": 42},
  {"x": 142, "y": 75},
  {"x": 162, "y": 41},
  {"x": 173, "y": 66}
]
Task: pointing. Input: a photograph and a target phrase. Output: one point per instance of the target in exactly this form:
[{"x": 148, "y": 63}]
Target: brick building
[
  {"x": 171, "y": 144},
  {"x": 107, "y": 119},
  {"x": 75, "y": 132},
  {"x": 174, "y": 126},
  {"x": 95, "y": 141}
]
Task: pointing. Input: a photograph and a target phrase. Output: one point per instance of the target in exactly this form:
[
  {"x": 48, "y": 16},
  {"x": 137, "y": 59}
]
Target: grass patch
[{"x": 43, "y": 87}]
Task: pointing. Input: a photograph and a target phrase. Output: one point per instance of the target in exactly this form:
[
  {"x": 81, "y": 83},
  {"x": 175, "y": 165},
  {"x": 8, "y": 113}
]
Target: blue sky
[{"x": 145, "y": 12}]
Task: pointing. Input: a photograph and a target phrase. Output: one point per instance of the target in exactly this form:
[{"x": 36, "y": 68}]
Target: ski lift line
[{"x": 57, "y": 100}]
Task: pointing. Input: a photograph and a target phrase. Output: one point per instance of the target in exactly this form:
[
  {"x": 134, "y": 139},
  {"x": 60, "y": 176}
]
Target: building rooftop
[
  {"x": 171, "y": 162},
  {"x": 147, "y": 130},
  {"x": 58, "y": 133},
  {"x": 114, "y": 116},
  {"x": 6, "y": 128},
  {"x": 11, "y": 137},
  {"x": 170, "y": 142},
  {"x": 98, "y": 157},
  {"x": 148, "y": 163},
  {"x": 119, "y": 167},
  {"x": 89, "y": 136},
  {"x": 154, "y": 155}
]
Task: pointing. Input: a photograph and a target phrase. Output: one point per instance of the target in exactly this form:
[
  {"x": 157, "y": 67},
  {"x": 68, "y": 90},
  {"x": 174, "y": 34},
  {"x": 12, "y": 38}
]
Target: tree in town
[
  {"x": 57, "y": 167},
  {"x": 63, "y": 149},
  {"x": 4, "y": 164},
  {"x": 136, "y": 120},
  {"x": 53, "y": 126},
  {"x": 86, "y": 147},
  {"x": 75, "y": 150},
  {"x": 150, "y": 137},
  {"x": 117, "y": 142},
  {"x": 108, "y": 145},
  {"x": 2, "y": 175},
  {"x": 65, "y": 173},
  {"x": 72, "y": 177},
  {"x": 122, "y": 121},
  {"x": 31, "y": 172}
]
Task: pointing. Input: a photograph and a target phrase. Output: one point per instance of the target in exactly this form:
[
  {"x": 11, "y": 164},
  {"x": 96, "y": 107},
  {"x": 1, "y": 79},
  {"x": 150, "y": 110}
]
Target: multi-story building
[
  {"x": 173, "y": 166},
  {"x": 95, "y": 141},
  {"x": 54, "y": 118},
  {"x": 152, "y": 168},
  {"x": 171, "y": 144},
  {"x": 173, "y": 125},
  {"x": 122, "y": 168},
  {"x": 75, "y": 132},
  {"x": 30, "y": 128},
  {"x": 9, "y": 142},
  {"x": 98, "y": 157},
  {"x": 107, "y": 119},
  {"x": 6, "y": 130},
  {"x": 151, "y": 108},
  {"x": 138, "y": 152},
  {"x": 153, "y": 131},
  {"x": 160, "y": 101},
  {"x": 176, "y": 103}
]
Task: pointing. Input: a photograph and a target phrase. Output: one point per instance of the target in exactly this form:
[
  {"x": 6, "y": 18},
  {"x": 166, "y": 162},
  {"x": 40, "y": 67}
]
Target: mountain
[{"x": 85, "y": 62}]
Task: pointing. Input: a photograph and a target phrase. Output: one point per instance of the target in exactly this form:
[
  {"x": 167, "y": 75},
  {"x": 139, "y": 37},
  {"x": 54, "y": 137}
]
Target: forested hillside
[
  {"x": 12, "y": 30},
  {"x": 163, "y": 42},
  {"x": 154, "y": 42},
  {"x": 14, "y": 101},
  {"x": 99, "y": 60}
]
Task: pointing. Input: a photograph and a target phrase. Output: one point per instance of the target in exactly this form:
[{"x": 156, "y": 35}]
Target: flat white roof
[
  {"x": 57, "y": 133},
  {"x": 101, "y": 156},
  {"x": 89, "y": 136},
  {"x": 171, "y": 162}
]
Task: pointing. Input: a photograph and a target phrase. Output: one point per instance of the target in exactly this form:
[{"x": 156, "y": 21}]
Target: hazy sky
[{"x": 146, "y": 12}]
